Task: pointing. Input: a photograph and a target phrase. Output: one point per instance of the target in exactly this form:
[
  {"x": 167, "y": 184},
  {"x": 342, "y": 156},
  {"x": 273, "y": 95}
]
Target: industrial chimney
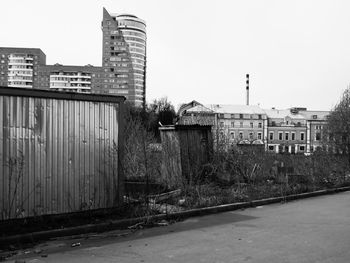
[{"x": 247, "y": 88}]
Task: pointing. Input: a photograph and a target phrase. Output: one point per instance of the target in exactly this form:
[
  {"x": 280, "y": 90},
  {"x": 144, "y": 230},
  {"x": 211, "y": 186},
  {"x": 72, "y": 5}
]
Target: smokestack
[{"x": 247, "y": 88}]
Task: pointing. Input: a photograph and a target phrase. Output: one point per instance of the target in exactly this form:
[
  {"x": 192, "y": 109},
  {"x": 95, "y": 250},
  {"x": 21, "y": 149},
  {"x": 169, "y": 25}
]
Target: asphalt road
[{"x": 310, "y": 230}]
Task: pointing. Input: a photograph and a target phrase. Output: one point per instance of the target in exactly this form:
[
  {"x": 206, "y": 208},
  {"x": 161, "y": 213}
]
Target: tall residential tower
[{"x": 124, "y": 56}]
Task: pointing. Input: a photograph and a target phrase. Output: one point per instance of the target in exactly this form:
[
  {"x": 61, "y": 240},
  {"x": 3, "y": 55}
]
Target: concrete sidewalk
[{"x": 309, "y": 230}]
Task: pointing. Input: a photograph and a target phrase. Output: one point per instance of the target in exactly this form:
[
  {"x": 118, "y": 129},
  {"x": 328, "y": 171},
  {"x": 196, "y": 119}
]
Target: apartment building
[
  {"x": 19, "y": 66},
  {"x": 82, "y": 79},
  {"x": 124, "y": 56},
  {"x": 123, "y": 70}
]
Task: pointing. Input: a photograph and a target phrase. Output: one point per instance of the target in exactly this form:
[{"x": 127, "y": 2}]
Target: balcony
[
  {"x": 11, "y": 74},
  {"x": 20, "y": 85},
  {"x": 19, "y": 79}
]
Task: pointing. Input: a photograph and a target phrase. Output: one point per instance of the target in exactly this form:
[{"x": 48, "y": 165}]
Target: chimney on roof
[{"x": 247, "y": 88}]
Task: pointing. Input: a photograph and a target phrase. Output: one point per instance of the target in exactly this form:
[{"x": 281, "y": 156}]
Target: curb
[{"x": 117, "y": 224}]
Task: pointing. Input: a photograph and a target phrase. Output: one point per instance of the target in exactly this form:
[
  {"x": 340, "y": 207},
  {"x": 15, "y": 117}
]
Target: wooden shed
[{"x": 185, "y": 149}]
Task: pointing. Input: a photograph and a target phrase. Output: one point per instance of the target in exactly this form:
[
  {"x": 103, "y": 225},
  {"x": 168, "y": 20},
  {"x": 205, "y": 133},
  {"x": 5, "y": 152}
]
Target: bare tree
[{"x": 338, "y": 126}]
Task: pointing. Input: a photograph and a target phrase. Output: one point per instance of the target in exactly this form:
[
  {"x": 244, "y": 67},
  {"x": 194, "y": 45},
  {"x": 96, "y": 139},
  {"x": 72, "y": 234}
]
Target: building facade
[
  {"x": 123, "y": 70},
  {"x": 286, "y": 131},
  {"x": 233, "y": 124},
  {"x": 19, "y": 66},
  {"x": 316, "y": 121},
  {"x": 294, "y": 130},
  {"x": 124, "y": 56},
  {"x": 82, "y": 79}
]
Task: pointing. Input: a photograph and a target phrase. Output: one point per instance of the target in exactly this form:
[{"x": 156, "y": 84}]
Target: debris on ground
[
  {"x": 181, "y": 201},
  {"x": 137, "y": 226},
  {"x": 78, "y": 244},
  {"x": 164, "y": 196},
  {"x": 38, "y": 251},
  {"x": 163, "y": 223}
]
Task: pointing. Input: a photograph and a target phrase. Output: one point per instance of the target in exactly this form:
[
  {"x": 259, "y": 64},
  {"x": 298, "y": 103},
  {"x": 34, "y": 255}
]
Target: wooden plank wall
[
  {"x": 57, "y": 156},
  {"x": 184, "y": 151},
  {"x": 171, "y": 173},
  {"x": 195, "y": 151}
]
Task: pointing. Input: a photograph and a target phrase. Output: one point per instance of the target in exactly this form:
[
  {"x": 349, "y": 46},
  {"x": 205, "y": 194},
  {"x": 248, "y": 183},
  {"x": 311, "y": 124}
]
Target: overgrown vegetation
[
  {"x": 234, "y": 174},
  {"x": 249, "y": 174},
  {"x": 337, "y": 130}
]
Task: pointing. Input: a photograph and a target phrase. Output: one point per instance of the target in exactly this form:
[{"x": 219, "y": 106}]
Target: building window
[
  {"x": 271, "y": 136},
  {"x": 302, "y": 136},
  {"x": 232, "y": 135},
  {"x": 301, "y": 148},
  {"x": 232, "y": 124},
  {"x": 271, "y": 148},
  {"x": 241, "y": 116},
  {"x": 251, "y": 136},
  {"x": 221, "y": 115},
  {"x": 259, "y": 125},
  {"x": 232, "y": 116},
  {"x": 314, "y": 117},
  {"x": 222, "y": 124},
  {"x": 259, "y": 116},
  {"x": 293, "y": 136},
  {"x": 280, "y": 136},
  {"x": 241, "y": 135},
  {"x": 286, "y": 136},
  {"x": 251, "y": 125},
  {"x": 318, "y": 136},
  {"x": 259, "y": 136},
  {"x": 273, "y": 123}
]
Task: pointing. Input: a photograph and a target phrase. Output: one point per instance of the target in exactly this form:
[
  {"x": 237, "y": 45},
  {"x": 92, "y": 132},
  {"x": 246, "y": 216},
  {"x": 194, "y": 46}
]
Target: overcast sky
[{"x": 297, "y": 52}]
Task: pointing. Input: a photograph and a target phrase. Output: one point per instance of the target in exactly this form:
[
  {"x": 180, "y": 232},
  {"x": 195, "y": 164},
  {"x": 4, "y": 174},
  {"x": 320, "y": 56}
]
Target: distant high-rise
[
  {"x": 19, "y": 66},
  {"x": 124, "y": 56}
]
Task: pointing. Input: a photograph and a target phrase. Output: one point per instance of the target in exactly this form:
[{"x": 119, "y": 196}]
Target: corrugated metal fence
[{"x": 58, "y": 152}]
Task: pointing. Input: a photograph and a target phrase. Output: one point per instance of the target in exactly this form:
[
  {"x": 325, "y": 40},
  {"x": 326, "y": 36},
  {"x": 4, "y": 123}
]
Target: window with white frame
[
  {"x": 286, "y": 136},
  {"x": 280, "y": 136},
  {"x": 259, "y": 136}
]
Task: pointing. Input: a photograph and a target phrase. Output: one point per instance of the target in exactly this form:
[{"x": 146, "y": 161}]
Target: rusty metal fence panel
[{"x": 58, "y": 152}]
